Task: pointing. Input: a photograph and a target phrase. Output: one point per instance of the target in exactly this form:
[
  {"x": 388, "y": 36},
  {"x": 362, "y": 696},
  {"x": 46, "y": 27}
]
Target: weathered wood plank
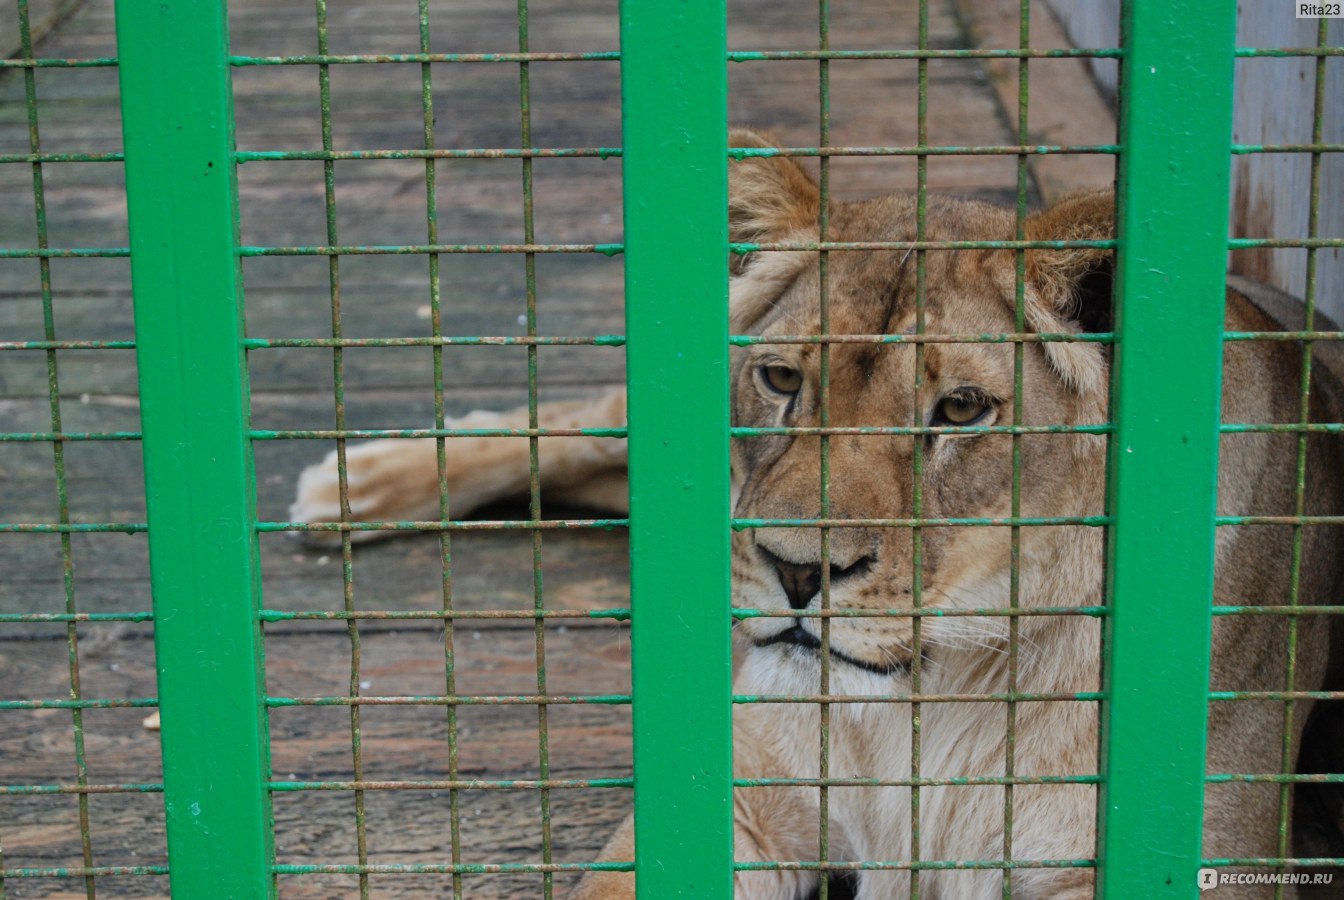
[{"x": 313, "y": 743}]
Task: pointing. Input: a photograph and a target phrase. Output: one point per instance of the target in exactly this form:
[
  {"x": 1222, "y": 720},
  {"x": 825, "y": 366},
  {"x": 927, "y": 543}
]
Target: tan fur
[{"x": 968, "y": 292}]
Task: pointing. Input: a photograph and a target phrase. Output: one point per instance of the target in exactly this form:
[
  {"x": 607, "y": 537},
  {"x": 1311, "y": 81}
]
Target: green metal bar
[
  {"x": 73, "y": 527},
  {"x": 16, "y": 618},
  {"x": 449, "y": 614},
  {"x": 435, "y": 432},
  {"x": 1015, "y": 508},
  {"x": 1282, "y": 52},
  {"x": 57, "y": 63},
  {"x": 913, "y": 865},
  {"x": 398, "y": 249},
  {"x": 1002, "y": 697},
  {"x": 67, "y": 345},
  {"x": 1045, "y": 337},
  {"x": 924, "y": 612},
  {"x": 866, "y": 246},
  {"x": 374, "y": 250},
  {"x": 533, "y": 446},
  {"x": 1006, "y": 521},
  {"x": 245, "y": 156},
  {"x": 600, "y": 340},
  {"x": 732, "y": 56},
  {"x": 1176, "y": 127},
  {"x": 63, "y": 252},
  {"x": 16, "y": 790},
  {"x": 471, "y": 784},
  {"x": 199, "y": 478},
  {"x": 429, "y": 153},
  {"x": 422, "y": 58},
  {"x": 342, "y": 473},
  {"x": 824, "y": 440},
  {"x": 604, "y": 55},
  {"x": 85, "y": 871},
  {"x": 453, "y": 868},
  {"x": 432, "y": 700},
  {"x": 674, "y": 104},
  {"x": 1285, "y": 243},
  {"x": 869, "y": 430},
  {"x": 127, "y": 703},
  {"x": 39, "y": 157},
  {"x": 58, "y": 450},
  {"x": 454, "y": 525},
  {"x": 1286, "y": 760},
  {"x": 917, "y": 456},
  {"x": 924, "y": 149}
]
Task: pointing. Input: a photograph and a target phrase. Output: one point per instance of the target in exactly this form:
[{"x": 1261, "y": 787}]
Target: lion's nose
[{"x": 802, "y": 581}]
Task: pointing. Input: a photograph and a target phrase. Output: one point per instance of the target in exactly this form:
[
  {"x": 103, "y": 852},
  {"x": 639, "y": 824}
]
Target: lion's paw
[{"x": 387, "y": 480}]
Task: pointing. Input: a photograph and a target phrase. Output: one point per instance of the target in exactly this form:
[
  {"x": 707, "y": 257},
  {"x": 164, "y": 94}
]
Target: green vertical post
[
  {"x": 1175, "y": 132},
  {"x": 674, "y": 102},
  {"x": 177, "y": 118}
]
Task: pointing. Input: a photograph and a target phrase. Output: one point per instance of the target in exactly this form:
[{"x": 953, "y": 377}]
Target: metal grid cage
[{"x": 243, "y": 812}]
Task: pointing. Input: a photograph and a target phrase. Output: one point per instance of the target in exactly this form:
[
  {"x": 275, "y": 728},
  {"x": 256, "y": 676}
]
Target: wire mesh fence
[{"x": 423, "y": 205}]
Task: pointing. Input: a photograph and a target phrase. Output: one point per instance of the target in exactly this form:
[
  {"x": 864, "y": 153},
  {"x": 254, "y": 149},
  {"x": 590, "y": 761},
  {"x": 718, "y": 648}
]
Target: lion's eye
[
  {"x": 960, "y": 410},
  {"x": 782, "y": 379}
]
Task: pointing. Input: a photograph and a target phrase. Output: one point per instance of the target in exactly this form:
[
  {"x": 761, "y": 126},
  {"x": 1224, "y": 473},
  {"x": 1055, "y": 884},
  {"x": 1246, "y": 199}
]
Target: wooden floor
[{"x": 378, "y": 107}]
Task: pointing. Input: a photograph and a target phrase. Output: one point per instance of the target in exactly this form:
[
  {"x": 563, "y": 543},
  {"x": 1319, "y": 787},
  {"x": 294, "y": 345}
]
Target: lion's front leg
[
  {"x": 398, "y": 480},
  {"x": 770, "y": 823},
  {"x": 612, "y": 885},
  {"x": 775, "y": 824},
  {"x": 757, "y": 838}
]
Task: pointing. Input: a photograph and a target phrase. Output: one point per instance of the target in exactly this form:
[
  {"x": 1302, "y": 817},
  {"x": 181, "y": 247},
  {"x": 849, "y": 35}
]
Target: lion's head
[{"x": 873, "y": 477}]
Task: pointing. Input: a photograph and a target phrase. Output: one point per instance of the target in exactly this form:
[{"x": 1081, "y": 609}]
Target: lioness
[{"x": 968, "y": 292}]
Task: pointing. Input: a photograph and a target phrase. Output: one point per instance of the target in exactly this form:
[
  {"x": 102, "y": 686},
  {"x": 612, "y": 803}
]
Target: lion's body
[{"x": 873, "y": 477}]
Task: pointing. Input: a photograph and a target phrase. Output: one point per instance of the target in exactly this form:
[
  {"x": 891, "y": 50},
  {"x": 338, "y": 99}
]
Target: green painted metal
[
  {"x": 917, "y": 456},
  {"x": 1176, "y": 128},
  {"x": 63, "y": 252},
  {"x": 201, "y": 495},
  {"x": 58, "y": 451},
  {"x": 39, "y": 157},
  {"x": 676, "y": 239},
  {"x": 28, "y": 62},
  {"x": 1019, "y": 359},
  {"x": 453, "y": 868},
  {"x": 824, "y": 441}
]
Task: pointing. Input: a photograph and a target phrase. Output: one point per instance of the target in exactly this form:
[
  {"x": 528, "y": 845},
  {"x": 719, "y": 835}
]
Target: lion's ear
[
  {"x": 770, "y": 199},
  {"x": 1070, "y": 289},
  {"x": 1075, "y": 283}
]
